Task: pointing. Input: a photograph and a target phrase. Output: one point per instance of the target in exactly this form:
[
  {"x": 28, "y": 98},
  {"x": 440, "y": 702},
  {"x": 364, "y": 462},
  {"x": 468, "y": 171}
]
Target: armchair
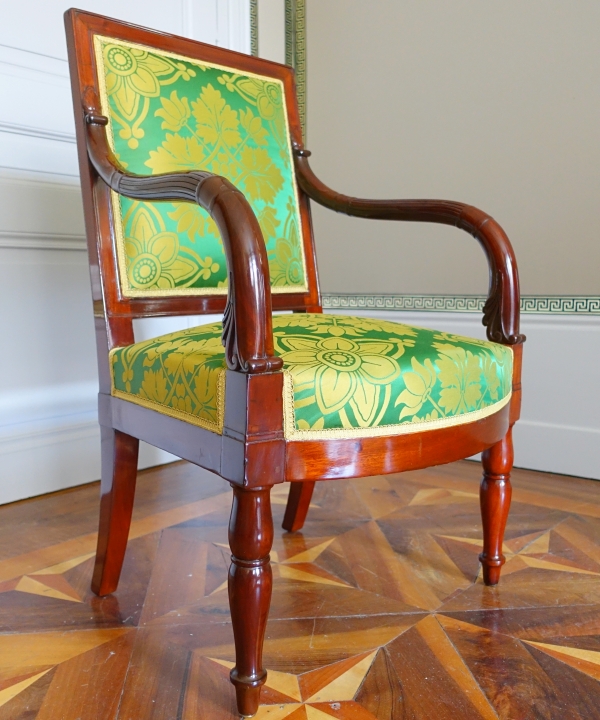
[{"x": 196, "y": 190}]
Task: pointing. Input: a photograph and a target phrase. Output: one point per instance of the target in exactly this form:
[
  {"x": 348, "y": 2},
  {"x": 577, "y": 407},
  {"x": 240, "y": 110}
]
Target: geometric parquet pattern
[{"x": 378, "y": 610}]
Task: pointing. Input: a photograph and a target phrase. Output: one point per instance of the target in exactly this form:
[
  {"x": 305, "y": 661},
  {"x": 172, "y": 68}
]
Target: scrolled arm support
[
  {"x": 501, "y": 310},
  {"x": 247, "y": 323}
]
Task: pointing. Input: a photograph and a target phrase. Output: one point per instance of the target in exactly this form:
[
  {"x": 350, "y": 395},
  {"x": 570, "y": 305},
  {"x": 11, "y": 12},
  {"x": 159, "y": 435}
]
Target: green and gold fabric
[
  {"x": 169, "y": 113},
  {"x": 344, "y": 376}
]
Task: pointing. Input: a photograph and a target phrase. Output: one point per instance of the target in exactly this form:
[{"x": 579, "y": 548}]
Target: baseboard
[
  {"x": 54, "y": 453},
  {"x": 557, "y": 448},
  {"x": 49, "y": 434}
]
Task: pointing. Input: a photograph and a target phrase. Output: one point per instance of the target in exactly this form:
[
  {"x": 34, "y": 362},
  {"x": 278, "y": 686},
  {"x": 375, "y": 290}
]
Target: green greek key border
[
  {"x": 254, "y": 27},
  {"x": 533, "y": 304},
  {"x": 295, "y": 50}
]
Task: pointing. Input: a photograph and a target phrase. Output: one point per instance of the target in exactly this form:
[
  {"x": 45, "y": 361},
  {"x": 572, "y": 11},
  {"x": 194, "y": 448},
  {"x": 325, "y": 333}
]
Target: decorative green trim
[
  {"x": 289, "y": 32},
  {"x": 534, "y": 304},
  {"x": 295, "y": 50},
  {"x": 254, "y": 27}
]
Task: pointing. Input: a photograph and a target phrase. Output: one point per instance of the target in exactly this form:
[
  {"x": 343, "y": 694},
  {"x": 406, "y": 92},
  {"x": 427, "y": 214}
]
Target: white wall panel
[
  {"x": 49, "y": 436},
  {"x": 271, "y": 30}
]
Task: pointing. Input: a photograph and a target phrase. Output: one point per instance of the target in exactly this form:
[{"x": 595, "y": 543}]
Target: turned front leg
[
  {"x": 495, "y": 497},
  {"x": 250, "y": 583}
]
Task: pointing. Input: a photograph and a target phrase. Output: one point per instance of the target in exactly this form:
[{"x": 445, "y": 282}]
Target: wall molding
[
  {"x": 41, "y": 241},
  {"x": 29, "y": 131},
  {"x": 31, "y": 436},
  {"x": 295, "y": 51},
  {"x": 21, "y": 62},
  {"x": 50, "y": 440},
  {"x": 30, "y": 140},
  {"x": 532, "y": 304},
  {"x": 254, "y": 27}
]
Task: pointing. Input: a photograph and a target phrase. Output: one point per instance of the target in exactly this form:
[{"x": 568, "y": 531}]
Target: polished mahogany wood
[
  {"x": 360, "y": 457},
  {"x": 501, "y": 312},
  {"x": 495, "y": 495},
  {"x": 80, "y": 28},
  {"x": 297, "y": 505},
  {"x": 117, "y": 490},
  {"x": 189, "y": 442},
  {"x": 247, "y": 325},
  {"x": 250, "y": 583},
  {"x": 252, "y": 453},
  {"x": 515, "y": 401},
  {"x": 253, "y": 447}
]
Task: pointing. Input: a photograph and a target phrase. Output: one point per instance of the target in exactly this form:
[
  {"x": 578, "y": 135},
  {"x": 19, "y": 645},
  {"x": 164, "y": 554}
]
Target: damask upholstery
[
  {"x": 343, "y": 376},
  {"x": 171, "y": 114}
]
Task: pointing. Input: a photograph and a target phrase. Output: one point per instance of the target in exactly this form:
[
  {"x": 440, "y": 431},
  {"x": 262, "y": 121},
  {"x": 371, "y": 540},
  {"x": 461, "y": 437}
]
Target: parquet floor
[{"x": 378, "y": 611}]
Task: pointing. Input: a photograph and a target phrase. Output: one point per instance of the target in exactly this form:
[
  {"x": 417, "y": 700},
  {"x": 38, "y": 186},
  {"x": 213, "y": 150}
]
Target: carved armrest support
[
  {"x": 247, "y": 323},
  {"x": 501, "y": 310}
]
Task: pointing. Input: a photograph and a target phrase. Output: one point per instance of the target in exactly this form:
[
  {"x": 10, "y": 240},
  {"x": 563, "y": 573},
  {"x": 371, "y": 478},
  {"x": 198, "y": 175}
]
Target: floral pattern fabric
[
  {"x": 172, "y": 114},
  {"x": 344, "y": 376}
]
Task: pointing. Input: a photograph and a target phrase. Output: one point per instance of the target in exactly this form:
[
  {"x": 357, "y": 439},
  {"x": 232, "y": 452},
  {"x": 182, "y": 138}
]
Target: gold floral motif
[
  {"x": 336, "y": 384},
  {"x": 339, "y": 372},
  {"x": 460, "y": 376},
  {"x": 173, "y": 114},
  {"x": 154, "y": 386},
  {"x": 154, "y": 257},
  {"x": 217, "y": 145},
  {"x": 419, "y": 385},
  {"x": 216, "y": 122},
  {"x": 192, "y": 221},
  {"x": 285, "y": 262},
  {"x": 132, "y": 75},
  {"x": 181, "y": 371},
  {"x": 177, "y": 154}
]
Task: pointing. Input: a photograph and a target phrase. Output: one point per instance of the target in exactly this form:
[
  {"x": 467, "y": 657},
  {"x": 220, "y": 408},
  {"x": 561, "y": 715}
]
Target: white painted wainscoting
[
  {"x": 559, "y": 429},
  {"x": 49, "y": 435}
]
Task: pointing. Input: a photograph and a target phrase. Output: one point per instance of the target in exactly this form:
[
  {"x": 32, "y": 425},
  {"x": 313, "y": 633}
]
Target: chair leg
[
  {"x": 495, "y": 494},
  {"x": 297, "y": 505},
  {"x": 117, "y": 488},
  {"x": 250, "y": 583}
]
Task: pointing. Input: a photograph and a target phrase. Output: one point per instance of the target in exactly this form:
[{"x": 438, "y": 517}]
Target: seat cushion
[{"x": 344, "y": 376}]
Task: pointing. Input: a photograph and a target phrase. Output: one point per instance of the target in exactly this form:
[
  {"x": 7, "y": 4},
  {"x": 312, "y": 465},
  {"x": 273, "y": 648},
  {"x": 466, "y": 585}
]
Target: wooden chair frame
[{"x": 252, "y": 453}]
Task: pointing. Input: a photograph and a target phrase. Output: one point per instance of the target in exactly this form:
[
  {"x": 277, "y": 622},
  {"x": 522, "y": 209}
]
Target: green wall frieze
[
  {"x": 532, "y": 304},
  {"x": 254, "y": 27},
  {"x": 295, "y": 50}
]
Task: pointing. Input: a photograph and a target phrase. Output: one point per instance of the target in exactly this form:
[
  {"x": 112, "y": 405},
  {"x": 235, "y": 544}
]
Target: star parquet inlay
[{"x": 378, "y": 612}]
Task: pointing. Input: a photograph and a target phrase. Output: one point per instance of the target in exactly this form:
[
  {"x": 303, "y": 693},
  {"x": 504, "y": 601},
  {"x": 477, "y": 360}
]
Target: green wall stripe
[
  {"x": 295, "y": 50},
  {"x": 254, "y": 27},
  {"x": 535, "y": 304}
]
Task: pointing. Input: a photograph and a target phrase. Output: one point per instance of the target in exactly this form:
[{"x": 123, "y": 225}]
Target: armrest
[
  {"x": 247, "y": 322},
  {"x": 501, "y": 310}
]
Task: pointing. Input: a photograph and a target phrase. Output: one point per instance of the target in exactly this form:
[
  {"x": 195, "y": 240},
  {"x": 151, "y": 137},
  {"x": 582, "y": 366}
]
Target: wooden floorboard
[{"x": 378, "y": 611}]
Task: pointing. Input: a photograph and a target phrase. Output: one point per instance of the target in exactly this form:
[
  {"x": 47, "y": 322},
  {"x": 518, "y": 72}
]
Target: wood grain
[{"x": 528, "y": 648}]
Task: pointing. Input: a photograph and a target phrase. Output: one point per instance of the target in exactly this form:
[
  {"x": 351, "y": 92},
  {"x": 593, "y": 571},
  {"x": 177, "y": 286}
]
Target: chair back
[{"x": 176, "y": 105}]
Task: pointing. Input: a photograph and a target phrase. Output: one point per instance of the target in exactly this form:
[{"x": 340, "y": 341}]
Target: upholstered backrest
[{"x": 170, "y": 113}]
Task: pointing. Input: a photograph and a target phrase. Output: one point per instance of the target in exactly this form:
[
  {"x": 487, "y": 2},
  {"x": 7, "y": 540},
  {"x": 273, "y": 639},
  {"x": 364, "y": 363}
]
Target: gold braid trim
[
  {"x": 293, "y": 434},
  {"x": 179, "y": 414}
]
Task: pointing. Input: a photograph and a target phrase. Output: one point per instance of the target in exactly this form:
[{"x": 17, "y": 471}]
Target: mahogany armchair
[{"x": 196, "y": 191}]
